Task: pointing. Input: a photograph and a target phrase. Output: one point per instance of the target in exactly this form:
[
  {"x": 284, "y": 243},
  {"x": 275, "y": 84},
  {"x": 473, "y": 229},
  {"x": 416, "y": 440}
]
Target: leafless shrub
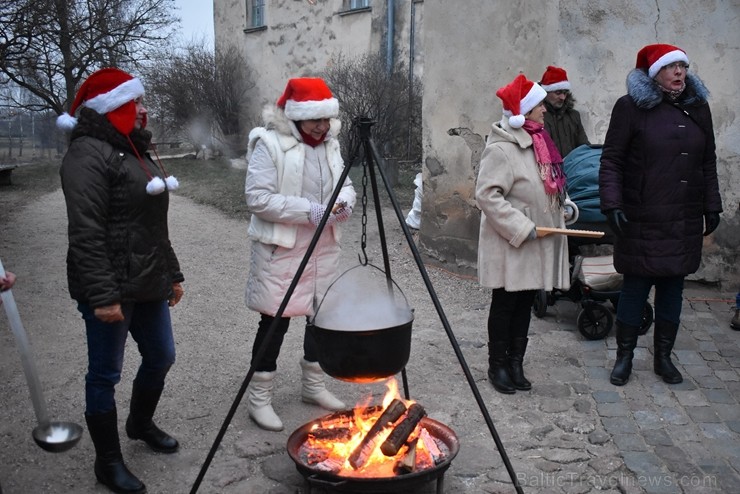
[{"x": 366, "y": 89}]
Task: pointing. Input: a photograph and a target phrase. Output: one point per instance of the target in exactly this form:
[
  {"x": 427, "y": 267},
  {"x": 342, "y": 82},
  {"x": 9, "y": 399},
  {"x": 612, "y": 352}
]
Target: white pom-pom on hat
[
  {"x": 66, "y": 122},
  {"x": 516, "y": 121}
]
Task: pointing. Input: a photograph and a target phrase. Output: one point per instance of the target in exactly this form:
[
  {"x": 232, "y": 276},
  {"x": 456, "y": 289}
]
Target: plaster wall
[
  {"x": 299, "y": 39},
  {"x": 482, "y": 44}
]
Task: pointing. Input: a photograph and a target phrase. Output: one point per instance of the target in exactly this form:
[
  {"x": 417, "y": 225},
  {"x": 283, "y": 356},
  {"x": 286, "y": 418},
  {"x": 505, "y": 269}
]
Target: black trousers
[
  {"x": 510, "y": 314},
  {"x": 268, "y": 362}
]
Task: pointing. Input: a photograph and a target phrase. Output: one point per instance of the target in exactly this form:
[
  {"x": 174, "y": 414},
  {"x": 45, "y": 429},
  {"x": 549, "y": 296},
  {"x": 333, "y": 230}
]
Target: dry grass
[{"x": 210, "y": 182}]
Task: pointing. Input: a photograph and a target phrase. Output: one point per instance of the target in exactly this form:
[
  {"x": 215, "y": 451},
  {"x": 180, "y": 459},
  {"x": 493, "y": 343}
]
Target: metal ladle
[{"x": 54, "y": 437}]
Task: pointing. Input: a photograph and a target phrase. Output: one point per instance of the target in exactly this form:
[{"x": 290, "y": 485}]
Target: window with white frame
[{"x": 255, "y": 13}]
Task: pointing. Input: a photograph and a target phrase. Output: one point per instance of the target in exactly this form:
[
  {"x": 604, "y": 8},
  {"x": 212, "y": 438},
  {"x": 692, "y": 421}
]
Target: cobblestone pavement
[{"x": 573, "y": 432}]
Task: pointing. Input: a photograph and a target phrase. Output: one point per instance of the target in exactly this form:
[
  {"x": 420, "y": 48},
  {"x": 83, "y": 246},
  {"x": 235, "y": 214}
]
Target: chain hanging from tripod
[{"x": 363, "y": 238}]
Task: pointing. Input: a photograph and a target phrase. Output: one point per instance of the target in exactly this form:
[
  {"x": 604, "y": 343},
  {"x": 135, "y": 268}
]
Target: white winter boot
[
  {"x": 259, "y": 403},
  {"x": 314, "y": 390}
]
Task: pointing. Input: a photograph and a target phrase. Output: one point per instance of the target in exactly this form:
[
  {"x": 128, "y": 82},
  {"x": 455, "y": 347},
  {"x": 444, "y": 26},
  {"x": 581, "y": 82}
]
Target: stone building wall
[
  {"x": 465, "y": 50},
  {"x": 482, "y": 44}
]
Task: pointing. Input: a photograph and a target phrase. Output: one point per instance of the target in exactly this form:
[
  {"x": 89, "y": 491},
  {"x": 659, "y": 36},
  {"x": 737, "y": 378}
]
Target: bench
[{"x": 5, "y": 172}]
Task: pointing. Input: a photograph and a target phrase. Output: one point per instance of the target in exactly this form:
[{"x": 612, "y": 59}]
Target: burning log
[
  {"x": 331, "y": 434},
  {"x": 363, "y": 450},
  {"x": 407, "y": 463},
  {"x": 402, "y": 431},
  {"x": 431, "y": 445}
]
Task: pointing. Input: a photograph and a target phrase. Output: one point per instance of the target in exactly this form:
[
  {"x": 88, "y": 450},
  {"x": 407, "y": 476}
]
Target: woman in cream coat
[{"x": 520, "y": 186}]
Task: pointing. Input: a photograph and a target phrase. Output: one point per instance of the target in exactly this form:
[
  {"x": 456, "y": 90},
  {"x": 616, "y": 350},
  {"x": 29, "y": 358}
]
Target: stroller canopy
[{"x": 581, "y": 167}]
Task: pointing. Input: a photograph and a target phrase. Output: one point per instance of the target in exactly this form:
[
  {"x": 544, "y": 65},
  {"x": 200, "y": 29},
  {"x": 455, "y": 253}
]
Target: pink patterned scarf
[{"x": 549, "y": 161}]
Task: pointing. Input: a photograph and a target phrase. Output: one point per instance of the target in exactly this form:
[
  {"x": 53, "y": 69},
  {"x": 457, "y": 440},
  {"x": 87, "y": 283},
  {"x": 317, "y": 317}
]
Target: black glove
[
  {"x": 616, "y": 220},
  {"x": 711, "y": 222}
]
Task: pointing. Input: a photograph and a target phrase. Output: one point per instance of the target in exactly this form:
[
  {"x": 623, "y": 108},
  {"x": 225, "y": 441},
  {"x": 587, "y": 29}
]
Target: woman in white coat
[
  {"x": 520, "y": 186},
  {"x": 294, "y": 165}
]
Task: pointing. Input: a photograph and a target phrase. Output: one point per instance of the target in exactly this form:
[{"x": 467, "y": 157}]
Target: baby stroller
[{"x": 594, "y": 280}]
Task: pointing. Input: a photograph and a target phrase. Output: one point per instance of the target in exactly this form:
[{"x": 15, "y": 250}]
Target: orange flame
[{"x": 331, "y": 441}]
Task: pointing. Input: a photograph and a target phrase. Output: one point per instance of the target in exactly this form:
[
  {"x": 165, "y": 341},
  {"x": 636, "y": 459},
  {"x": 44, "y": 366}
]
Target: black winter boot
[
  {"x": 498, "y": 368},
  {"x": 109, "y": 467},
  {"x": 517, "y": 348},
  {"x": 626, "y": 343},
  {"x": 664, "y": 337},
  {"x": 140, "y": 425}
]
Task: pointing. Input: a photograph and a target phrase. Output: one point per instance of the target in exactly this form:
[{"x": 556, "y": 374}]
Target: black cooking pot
[
  {"x": 362, "y": 327},
  {"x": 363, "y": 356}
]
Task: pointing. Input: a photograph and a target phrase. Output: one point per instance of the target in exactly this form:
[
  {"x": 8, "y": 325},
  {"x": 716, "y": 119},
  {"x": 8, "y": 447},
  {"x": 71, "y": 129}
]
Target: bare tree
[
  {"x": 48, "y": 46},
  {"x": 366, "y": 89},
  {"x": 200, "y": 94}
]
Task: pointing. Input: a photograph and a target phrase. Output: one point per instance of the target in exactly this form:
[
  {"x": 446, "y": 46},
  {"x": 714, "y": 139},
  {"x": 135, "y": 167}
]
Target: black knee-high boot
[
  {"x": 498, "y": 368},
  {"x": 109, "y": 467},
  {"x": 663, "y": 339},
  {"x": 626, "y": 343},
  {"x": 517, "y": 348},
  {"x": 140, "y": 424}
]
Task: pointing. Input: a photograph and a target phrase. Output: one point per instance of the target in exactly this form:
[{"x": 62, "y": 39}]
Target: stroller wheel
[
  {"x": 648, "y": 315},
  {"x": 539, "y": 307},
  {"x": 594, "y": 321}
]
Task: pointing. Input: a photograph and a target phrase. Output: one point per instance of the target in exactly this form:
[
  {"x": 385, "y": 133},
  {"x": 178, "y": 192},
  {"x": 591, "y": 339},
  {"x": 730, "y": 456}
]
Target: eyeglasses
[{"x": 677, "y": 65}]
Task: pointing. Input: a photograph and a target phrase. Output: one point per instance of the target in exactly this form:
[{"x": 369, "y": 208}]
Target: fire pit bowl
[
  {"x": 363, "y": 327},
  {"x": 331, "y": 482}
]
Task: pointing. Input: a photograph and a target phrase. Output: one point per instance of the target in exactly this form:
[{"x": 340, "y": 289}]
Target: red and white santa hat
[
  {"x": 308, "y": 98},
  {"x": 519, "y": 97},
  {"x": 555, "y": 79},
  {"x": 110, "y": 92},
  {"x": 652, "y": 58}
]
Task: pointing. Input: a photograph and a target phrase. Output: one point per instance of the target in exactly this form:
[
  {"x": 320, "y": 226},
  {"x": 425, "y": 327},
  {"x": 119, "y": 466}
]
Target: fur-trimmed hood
[
  {"x": 274, "y": 119},
  {"x": 646, "y": 93}
]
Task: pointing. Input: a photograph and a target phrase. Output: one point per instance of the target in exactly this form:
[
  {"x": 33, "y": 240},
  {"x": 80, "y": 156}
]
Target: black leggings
[
  {"x": 268, "y": 362},
  {"x": 510, "y": 314}
]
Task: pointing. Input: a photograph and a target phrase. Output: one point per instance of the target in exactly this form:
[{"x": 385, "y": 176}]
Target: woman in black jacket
[
  {"x": 659, "y": 192},
  {"x": 121, "y": 268}
]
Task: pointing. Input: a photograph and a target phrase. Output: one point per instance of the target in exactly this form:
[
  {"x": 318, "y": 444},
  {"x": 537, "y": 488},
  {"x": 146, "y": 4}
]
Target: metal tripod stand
[{"x": 373, "y": 161}]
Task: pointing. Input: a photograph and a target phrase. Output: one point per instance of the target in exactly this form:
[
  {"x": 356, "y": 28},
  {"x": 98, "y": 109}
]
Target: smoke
[{"x": 362, "y": 299}]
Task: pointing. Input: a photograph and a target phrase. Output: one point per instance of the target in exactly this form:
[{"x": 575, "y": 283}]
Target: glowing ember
[{"x": 332, "y": 440}]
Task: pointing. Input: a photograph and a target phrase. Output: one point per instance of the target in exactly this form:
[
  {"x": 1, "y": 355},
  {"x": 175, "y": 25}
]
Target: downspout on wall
[{"x": 391, "y": 8}]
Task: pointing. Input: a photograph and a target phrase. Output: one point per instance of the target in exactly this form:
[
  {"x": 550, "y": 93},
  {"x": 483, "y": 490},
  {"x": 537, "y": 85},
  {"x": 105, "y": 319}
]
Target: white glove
[
  {"x": 316, "y": 213},
  {"x": 341, "y": 212}
]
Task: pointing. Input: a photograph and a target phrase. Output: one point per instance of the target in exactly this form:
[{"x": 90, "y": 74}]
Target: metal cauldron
[{"x": 363, "y": 327}]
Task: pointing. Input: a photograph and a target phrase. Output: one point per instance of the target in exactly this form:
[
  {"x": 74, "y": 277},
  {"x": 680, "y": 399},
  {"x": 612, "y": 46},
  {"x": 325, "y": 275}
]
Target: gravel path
[{"x": 551, "y": 429}]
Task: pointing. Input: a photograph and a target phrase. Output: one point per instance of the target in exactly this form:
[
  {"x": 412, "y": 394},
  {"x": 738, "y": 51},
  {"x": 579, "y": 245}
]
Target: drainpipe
[
  {"x": 412, "y": 34},
  {"x": 391, "y": 34}
]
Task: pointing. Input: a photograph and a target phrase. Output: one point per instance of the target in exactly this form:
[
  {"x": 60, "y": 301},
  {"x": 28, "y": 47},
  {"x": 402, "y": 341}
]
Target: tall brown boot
[
  {"x": 626, "y": 343},
  {"x": 664, "y": 337}
]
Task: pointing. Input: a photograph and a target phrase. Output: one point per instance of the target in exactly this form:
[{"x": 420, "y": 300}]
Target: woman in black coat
[
  {"x": 659, "y": 191},
  {"x": 121, "y": 267}
]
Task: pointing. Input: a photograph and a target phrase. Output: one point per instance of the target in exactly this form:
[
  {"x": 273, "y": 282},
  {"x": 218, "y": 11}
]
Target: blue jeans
[
  {"x": 150, "y": 325},
  {"x": 634, "y": 295}
]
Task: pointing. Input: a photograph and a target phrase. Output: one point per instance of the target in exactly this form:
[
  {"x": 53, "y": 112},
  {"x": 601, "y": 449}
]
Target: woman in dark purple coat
[{"x": 659, "y": 191}]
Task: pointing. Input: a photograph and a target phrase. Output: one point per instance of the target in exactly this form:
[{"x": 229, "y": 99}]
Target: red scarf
[
  {"x": 308, "y": 139},
  {"x": 549, "y": 161}
]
